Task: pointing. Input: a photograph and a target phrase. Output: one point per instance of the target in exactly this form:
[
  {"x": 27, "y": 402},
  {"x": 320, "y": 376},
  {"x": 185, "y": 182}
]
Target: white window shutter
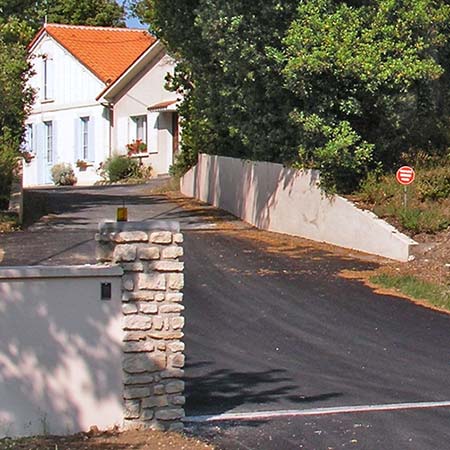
[
  {"x": 77, "y": 139},
  {"x": 91, "y": 139}
]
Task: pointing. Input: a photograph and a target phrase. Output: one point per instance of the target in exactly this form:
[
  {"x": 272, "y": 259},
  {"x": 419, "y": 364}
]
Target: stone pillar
[{"x": 153, "y": 351}]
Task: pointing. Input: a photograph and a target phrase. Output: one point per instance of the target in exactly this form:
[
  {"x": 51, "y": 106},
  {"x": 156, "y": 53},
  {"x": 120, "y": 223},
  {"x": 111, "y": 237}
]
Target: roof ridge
[{"x": 94, "y": 27}]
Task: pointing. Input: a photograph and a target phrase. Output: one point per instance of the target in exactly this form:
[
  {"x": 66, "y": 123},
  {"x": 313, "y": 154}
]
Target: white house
[{"x": 97, "y": 90}]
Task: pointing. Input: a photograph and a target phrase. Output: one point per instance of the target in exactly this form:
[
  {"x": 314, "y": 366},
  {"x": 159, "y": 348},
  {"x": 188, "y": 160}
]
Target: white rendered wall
[
  {"x": 60, "y": 350},
  {"x": 147, "y": 90},
  {"x": 73, "y": 90},
  {"x": 276, "y": 198}
]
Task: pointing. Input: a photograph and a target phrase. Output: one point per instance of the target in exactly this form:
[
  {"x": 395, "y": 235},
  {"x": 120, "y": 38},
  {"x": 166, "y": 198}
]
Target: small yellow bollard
[{"x": 122, "y": 214}]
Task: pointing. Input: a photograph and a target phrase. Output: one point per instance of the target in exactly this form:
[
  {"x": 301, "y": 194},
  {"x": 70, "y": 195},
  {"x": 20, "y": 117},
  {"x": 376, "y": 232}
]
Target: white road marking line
[{"x": 261, "y": 415}]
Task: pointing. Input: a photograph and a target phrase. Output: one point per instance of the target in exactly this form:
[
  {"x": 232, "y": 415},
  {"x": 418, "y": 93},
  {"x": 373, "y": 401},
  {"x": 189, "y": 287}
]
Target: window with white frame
[
  {"x": 139, "y": 128},
  {"x": 47, "y": 78},
  {"x": 29, "y": 138},
  {"x": 84, "y": 138},
  {"x": 49, "y": 141}
]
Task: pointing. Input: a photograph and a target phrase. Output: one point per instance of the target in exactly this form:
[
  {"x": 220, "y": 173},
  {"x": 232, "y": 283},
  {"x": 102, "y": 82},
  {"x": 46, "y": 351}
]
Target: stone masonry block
[
  {"x": 161, "y": 237},
  {"x": 172, "y": 252},
  {"x": 152, "y": 281},
  {"x": 132, "y": 409},
  {"x": 170, "y": 414},
  {"x": 129, "y": 308},
  {"x": 134, "y": 336},
  {"x": 137, "y": 322},
  {"x": 131, "y": 379},
  {"x": 147, "y": 414},
  {"x": 174, "y": 387},
  {"x": 159, "y": 297},
  {"x": 138, "y": 346},
  {"x": 175, "y": 297},
  {"x": 129, "y": 236},
  {"x": 171, "y": 308},
  {"x": 176, "y": 360},
  {"x": 130, "y": 393},
  {"x": 172, "y": 373},
  {"x": 168, "y": 266},
  {"x": 176, "y": 346},
  {"x": 177, "y": 323},
  {"x": 175, "y": 281},
  {"x": 156, "y": 401},
  {"x": 178, "y": 238},
  {"x": 104, "y": 252},
  {"x": 178, "y": 400},
  {"x": 125, "y": 253},
  {"x": 128, "y": 283},
  {"x": 167, "y": 335},
  {"x": 148, "y": 307},
  {"x": 140, "y": 296},
  {"x": 158, "y": 323},
  {"x": 148, "y": 253},
  {"x": 143, "y": 362},
  {"x": 133, "y": 267}
]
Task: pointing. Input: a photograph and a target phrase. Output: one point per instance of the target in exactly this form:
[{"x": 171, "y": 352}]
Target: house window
[
  {"x": 29, "y": 138},
  {"x": 84, "y": 138},
  {"x": 140, "y": 128},
  {"x": 49, "y": 141},
  {"x": 47, "y": 88}
]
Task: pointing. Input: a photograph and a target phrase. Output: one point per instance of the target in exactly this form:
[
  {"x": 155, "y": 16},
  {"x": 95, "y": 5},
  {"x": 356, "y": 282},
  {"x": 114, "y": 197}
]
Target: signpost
[{"x": 405, "y": 176}]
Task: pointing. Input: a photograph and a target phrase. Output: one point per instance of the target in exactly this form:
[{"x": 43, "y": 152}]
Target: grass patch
[
  {"x": 434, "y": 294},
  {"x": 9, "y": 221}
]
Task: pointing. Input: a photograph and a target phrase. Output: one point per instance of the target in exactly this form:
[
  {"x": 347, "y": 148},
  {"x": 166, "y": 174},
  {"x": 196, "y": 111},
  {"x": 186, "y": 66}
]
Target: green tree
[
  {"x": 371, "y": 82},
  {"x": 342, "y": 86},
  {"x": 235, "y": 103},
  {"x": 15, "y": 100},
  {"x": 76, "y": 12}
]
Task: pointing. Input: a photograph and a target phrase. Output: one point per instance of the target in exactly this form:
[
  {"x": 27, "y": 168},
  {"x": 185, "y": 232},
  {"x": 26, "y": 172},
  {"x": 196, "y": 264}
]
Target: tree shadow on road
[{"x": 222, "y": 390}]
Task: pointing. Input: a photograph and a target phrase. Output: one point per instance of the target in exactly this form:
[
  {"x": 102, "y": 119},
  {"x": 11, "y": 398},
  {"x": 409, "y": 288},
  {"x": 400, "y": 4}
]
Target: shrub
[
  {"x": 7, "y": 163},
  {"x": 119, "y": 168},
  {"x": 427, "y": 221},
  {"x": 435, "y": 185},
  {"x": 63, "y": 175}
]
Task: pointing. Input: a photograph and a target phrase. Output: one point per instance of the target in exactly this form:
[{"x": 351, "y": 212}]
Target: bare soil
[{"x": 110, "y": 440}]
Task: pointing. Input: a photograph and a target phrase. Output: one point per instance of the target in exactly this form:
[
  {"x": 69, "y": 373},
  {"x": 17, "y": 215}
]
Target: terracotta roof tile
[
  {"x": 162, "y": 105},
  {"x": 107, "y": 52}
]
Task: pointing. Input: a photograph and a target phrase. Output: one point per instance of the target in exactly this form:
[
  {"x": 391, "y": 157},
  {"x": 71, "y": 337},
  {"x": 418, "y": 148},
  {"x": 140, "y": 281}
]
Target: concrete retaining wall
[
  {"x": 60, "y": 350},
  {"x": 289, "y": 201}
]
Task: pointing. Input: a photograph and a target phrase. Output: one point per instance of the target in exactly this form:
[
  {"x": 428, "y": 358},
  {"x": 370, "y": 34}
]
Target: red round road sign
[{"x": 405, "y": 175}]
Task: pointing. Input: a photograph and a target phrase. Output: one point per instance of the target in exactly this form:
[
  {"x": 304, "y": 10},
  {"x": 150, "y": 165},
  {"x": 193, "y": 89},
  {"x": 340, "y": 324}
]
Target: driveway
[{"x": 283, "y": 350}]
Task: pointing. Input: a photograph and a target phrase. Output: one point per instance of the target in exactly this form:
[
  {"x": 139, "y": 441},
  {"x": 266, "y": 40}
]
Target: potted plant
[
  {"x": 82, "y": 165},
  {"x": 136, "y": 147}
]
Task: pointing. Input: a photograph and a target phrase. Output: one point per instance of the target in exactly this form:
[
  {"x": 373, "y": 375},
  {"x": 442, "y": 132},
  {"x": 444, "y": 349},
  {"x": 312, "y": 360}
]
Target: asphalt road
[{"x": 270, "y": 332}]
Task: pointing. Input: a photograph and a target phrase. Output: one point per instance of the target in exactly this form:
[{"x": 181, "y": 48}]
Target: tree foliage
[
  {"x": 235, "y": 103},
  {"x": 343, "y": 86},
  {"x": 371, "y": 80},
  {"x": 75, "y": 12}
]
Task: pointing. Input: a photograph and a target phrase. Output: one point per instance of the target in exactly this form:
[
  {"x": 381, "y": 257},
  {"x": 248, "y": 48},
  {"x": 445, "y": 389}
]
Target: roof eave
[{"x": 114, "y": 88}]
